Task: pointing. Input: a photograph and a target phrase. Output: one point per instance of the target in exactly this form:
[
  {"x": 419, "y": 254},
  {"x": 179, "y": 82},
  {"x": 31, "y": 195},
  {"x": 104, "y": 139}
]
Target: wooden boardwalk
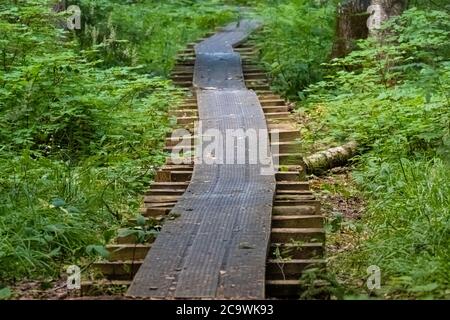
[
  {"x": 218, "y": 245},
  {"x": 296, "y": 229}
]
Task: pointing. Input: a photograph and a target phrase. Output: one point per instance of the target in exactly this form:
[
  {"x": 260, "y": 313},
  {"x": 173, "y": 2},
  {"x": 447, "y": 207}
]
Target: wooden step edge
[
  {"x": 297, "y": 221},
  {"x": 296, "y": 210},
  {"x": 297, "y": 235},
  {"x": 287, "y": 289},
  {"x": 120, "y": 252},
  {"x": 104, "y": 288}
]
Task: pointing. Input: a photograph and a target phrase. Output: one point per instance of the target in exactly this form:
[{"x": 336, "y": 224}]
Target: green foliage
[
  {"x": 140, "y": 233},
  {"x": 82, "y": 126},
  {"x": 97, "y": 250},
  {"x": 147, "y": 32},
  {"x": 5, "y": 293},
  {"x": 409, "y": 216},
  {"x": 83, "y": 116},
  {"x": 392, "y": 96},
  {"x": 298, "y": 38},
  {"x": 429, "y": 4}
]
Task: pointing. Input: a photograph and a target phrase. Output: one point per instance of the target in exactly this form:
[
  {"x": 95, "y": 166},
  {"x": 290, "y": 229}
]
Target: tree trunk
[
  {"x": 391, "y": 7},
  {"x": 350, "y": 25},
  {"x": 382, "y": 10},
  {"x": 356, "y": 19},
  {"x": 334, "y": 157},
  {"x": 59, "y": 6}
]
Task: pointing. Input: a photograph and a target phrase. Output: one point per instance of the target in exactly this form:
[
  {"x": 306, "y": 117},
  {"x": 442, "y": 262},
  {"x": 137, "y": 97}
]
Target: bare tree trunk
[
  {"x": 382, "y": 10},
  {"x": 59, "y": 6},
  {"x": 350, "y": 25},
  {"x": 356, "y": 17},
  {"x": 391, "y": 7}
]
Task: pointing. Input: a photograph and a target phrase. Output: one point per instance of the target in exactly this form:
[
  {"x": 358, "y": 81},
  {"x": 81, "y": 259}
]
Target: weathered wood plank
[{"x": 218, "y": 244}]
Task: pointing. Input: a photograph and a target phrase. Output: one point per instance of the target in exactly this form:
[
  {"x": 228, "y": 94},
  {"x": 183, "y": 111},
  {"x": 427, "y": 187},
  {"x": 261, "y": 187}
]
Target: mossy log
[{"x": 321, "y": 161}]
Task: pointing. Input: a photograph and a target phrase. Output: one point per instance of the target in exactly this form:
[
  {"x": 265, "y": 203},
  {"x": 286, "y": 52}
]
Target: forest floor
[{"x": 41, "y": 290}]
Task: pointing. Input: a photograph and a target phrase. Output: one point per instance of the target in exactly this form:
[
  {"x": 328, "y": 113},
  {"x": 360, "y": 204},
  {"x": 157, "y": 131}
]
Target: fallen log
[{"x": 321, "y": 161}]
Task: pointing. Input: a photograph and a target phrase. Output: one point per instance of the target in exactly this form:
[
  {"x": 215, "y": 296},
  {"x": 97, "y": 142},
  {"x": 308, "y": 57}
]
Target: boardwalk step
[
  {"x": 302, "y": 250},
  {"x": 157, "y": 192},
  {"x": 296, "y": 210},
  {"x": 169, "y": 185},
  {"x": 127, "y": 251},
  {"x": 283, "y": 288},
  {"x": 287, "y": 235},
  {"x": 293, "y": 185},
  {"x": 118, "y": 270},
  {"x": 184, "y": 174},
  {"x": 190, "y": 112},
  {"x": 286, "y": 200},
  {"x": 133, "y": 240},
  {"x": 300, "y": 221},
  {"x": 104, "y": 287},
  {"x": 289, "y": 269},
  {"x": 186, "y": 145}
]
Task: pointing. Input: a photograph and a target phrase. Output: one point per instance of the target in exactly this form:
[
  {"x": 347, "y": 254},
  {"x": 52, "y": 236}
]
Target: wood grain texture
[{"x": 217, "y": 246}]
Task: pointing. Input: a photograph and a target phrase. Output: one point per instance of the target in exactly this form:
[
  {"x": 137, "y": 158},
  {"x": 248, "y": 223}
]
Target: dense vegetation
[
  {"x": 392, "y": 97},
  {"x": 298, "y": 38},
  {"x": 82, "y": 120},
  {"x": 83, "y": 115}
]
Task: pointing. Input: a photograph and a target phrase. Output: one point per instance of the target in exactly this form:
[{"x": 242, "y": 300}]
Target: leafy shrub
[
  {"x": 82, "y": 127},
  {"x": 392, "y": 97},
  {"x": 298, "y": 38},
  {"x": 146, "y": 33}
]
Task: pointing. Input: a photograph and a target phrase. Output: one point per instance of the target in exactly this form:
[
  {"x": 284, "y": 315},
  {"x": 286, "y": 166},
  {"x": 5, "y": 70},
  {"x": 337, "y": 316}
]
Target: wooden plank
[
  {"x": 290, "y": 269},
  {"x": 218, "y": 244},
  {"x": 301, "y": 250},
  {"x": 286, "y": 235}
]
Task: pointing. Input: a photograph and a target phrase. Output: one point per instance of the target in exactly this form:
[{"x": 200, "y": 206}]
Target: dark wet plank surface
[{"x": 217, "y": 246}]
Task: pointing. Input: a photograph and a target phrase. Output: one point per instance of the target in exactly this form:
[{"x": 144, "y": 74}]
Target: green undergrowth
[
  {"x": 296, "y": 40},
  {"x": 83, "y": 118},
  {"x": 148, "y": 32},
  {"x": 393, "y": 97}
]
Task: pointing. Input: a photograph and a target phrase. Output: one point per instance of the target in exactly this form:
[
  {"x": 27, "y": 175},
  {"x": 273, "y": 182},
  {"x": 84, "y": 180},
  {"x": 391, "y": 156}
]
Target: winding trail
[{"x": 218, "y": 245}]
